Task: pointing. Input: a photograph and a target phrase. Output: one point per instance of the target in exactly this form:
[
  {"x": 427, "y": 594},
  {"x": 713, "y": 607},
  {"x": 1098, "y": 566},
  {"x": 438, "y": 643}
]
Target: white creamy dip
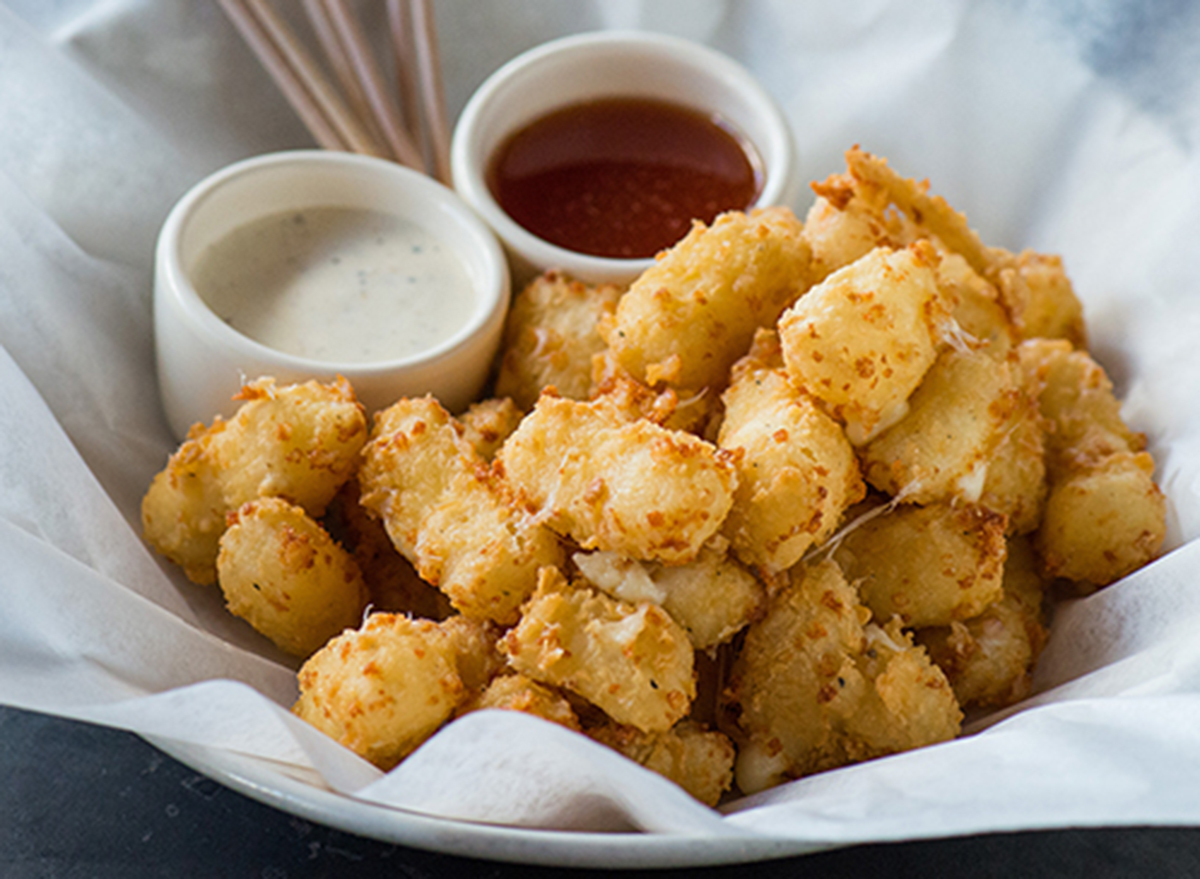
[{"x": 340, "y": 285}]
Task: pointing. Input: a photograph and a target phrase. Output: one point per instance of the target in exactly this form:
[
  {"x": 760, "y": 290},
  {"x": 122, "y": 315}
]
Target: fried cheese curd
[
  {"x": 382, "y": 689},
  {"x": 631, "y": 660},
  {"x": 1014, "y": 478},
  {"x": 448, "y": 513},
  {"x": 870, "y": 205},
  {"x": 487, "y": 424},
  {"x": 697, "y": 759},
  {"x": 608, "y": 482},
  {"x": 862, "y": 339},
  {"x": 550, "y": 338},
  {"x": 956, "y": 419},
  {"x": 392, "y": 582},
  {"x": 817, "y": 685},
  {"x": 927, "y": 565},
  {"x": 297, "y": 442},
  {"x": 980, "y": 313},
  {"x": 989, "y": 658},
  {"x": 1104, "y": 515},
  {"x": 713, "y": 597},
  {"x": 688, "y": 318},
  {"x": 797, "y": 472},
  {"x": 516, "y": 692},
  {"x": 281, "y": 571}
]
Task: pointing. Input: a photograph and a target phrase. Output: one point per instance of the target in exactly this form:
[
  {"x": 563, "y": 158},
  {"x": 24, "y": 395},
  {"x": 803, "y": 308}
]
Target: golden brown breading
[
  {"x": 1076, "y": 397},
  {"x": 487, "y": 424},
  {"x": 857, "y": 212},
  {"x": 1015, "y": 483},
  {"x": 1041, "y": 299},
  {"x": 1023, "y": 578},
  {"x": 697, "y": 759},
  {"x": 483, "y": 552},
  {"x": 281, "y": 572},
  {"x": 449, "y": 514},
  {"x": 610, "y": 483},
  {"x": 979, "y": 313},
  {"x": 1104, "y": 515},
  {"x": 298, "y": 442},
  {"x": 928, "y": 565},
  {"x": 816, "y": 686},
  {"x": 550, "y": 338},
  {"x": 183, "y": 511},
  {"x": 989, "y": 659},
  {"x": 871, "y": 203},
  {"x": 712, "y": 598},
  {"x": 392, "y": 582},
  {"x": 382, "y": 689},
  {"x": 629, "y": 399},
  {"x": 925, "y": 216},
  {"x": 516, "y": 692},
  {"x": 476, "y": 648},
  {"x": 797, "y": 472},
  {"x": 847, "y": 221},
  {"x": 415, "y": 451},
  {"x": 632, "y": 661},
  {"x": 911, "y": 704},
  {"x": 957, "y": 417},
  {"x": 688, "y": 317},
  {"x": 862, "y": 339},
  {"x": 1103, "y": 522}
]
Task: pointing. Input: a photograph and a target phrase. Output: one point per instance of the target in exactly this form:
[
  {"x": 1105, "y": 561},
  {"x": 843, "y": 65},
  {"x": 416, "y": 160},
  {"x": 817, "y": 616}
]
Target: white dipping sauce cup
[
  {"x": 609, "y": 64},
  {"x": 203, "y": 362}
]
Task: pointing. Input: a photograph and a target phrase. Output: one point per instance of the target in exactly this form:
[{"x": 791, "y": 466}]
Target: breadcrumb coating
[
  {"x": 631, "y": 660},
  {"x": 281, "y": 571},
  {"x": 797, "y": 472},
  {"x": 448, "y": 513},
  {"x": 862, "y": 339},
  {"x": 697, "y": 759},
  {"x": 688, "y": 317},
  {"x": 298, "y": 442},
  {"x": 607, "y": 482},
  {"x": 817, "y": 686},
  {"x": 551, "y": 337},
  {"x": 382, "y": 689}
]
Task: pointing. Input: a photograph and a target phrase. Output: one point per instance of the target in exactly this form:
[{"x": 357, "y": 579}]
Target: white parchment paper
[{"x": 1067, "y": 127}]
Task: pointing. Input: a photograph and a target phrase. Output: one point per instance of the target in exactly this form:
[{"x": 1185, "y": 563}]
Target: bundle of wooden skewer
[{"x": 357, "y": 110}]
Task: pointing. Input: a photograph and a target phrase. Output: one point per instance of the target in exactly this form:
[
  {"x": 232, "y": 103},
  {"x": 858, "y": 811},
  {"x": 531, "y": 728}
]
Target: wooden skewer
[
  {"x": 385, "y": 111},
  {"x": 433, "y": 99},
  {"x": 357, "y": 138},
  {"x": 401, "y": 27},
  {"x": 284, "y": 76},
  {"x": 343, "y": 69},
  {"x": 367, "y": 119}
]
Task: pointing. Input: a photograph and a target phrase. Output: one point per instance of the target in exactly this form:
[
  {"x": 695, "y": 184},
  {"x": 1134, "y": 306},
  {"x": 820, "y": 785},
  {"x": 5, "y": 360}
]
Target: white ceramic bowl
[
  {"x": 608, "y": 64},
  {"x": 202, "y": 361}
]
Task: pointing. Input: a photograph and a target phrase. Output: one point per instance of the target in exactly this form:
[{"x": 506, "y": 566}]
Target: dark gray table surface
[{"x": 83, "y": 801}]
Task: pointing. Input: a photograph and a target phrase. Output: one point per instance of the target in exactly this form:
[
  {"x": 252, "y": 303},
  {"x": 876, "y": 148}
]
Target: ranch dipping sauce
[{"x": 338, "y": 285}]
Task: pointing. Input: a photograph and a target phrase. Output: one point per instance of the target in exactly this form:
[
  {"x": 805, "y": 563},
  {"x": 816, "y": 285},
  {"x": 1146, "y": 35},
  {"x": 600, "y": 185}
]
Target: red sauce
[{"x": 622, "y": 177}]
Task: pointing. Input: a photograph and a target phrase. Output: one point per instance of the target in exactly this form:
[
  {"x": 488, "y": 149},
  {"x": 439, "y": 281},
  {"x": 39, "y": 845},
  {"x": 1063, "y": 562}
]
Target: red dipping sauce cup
[{"x": 632, "y": 112}]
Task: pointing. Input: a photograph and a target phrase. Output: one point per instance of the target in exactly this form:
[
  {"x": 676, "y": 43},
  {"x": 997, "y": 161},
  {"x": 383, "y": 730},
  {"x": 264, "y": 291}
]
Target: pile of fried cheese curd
[{"x": 800, "y": 496}]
